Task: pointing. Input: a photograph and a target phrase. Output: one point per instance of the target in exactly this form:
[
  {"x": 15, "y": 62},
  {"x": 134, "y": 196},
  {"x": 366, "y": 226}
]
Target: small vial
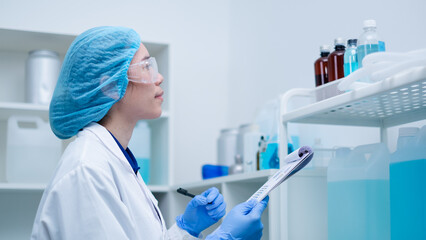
[{"x": 350, "y": 57}]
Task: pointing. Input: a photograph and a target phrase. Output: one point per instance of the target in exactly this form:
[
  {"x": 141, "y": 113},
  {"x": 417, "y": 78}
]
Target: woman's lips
[{"x": 160, "y": 95}]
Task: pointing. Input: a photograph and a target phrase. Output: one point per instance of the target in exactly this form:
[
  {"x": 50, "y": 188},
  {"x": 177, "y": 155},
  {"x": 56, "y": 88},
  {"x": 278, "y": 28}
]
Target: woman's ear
[{"x": 109, "y": 89}]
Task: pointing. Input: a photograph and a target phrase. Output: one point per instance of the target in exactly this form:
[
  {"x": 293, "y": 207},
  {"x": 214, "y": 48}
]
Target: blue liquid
[
  {"x": 350, "y": 61},
  {"x": 350, "y": 67},
  {"x": 144, "y": 163},
  {"x": 408, "y": 199},
  {"x": 269, "y": 159},
  {"x": 359, "y": 210},
  {"x": 363, "y": 50}
]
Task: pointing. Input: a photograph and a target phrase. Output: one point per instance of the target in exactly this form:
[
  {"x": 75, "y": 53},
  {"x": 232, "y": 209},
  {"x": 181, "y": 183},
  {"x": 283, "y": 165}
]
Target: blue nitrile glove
[
  {"x": 202, "y": 211},
  {"x": 242, "y": 222}
]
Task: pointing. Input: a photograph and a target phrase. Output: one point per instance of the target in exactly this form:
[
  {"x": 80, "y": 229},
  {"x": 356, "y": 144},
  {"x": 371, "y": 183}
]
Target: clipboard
[{"x": 294, "y": 162}]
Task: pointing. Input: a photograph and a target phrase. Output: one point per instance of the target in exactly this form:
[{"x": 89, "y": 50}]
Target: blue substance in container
[{"x": 212, "y": 171}]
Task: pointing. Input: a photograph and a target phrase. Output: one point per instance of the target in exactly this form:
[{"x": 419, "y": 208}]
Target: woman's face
[{"x": 142, "y": 100}]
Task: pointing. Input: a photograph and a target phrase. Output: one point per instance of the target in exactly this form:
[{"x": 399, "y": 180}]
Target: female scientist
[{"x": 107, "y": 83}]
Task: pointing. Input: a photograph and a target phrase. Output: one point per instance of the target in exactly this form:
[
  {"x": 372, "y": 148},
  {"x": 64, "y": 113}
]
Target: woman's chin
[{"x": 152, "y": 115}]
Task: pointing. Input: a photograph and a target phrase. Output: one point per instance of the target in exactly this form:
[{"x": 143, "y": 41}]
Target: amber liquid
[
  {"x": 336, "y": 64},
  {"x": 321, "y": 70}
]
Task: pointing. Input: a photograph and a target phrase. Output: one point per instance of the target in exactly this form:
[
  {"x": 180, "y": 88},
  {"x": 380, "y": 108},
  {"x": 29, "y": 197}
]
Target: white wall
[
  {"x": 228, "y": 57},
  {"x": 197, "y": 32},
  {"x": 275, "y": 43}
]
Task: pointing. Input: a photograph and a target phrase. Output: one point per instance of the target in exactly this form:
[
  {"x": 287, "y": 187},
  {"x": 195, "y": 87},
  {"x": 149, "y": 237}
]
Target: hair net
[{"x": 93, "y": 77}]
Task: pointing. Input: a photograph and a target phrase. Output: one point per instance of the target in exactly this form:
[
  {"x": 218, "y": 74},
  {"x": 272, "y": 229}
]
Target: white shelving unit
[
  {"x": 393, "y": 101},
  {"x": 19, "y": 201}
]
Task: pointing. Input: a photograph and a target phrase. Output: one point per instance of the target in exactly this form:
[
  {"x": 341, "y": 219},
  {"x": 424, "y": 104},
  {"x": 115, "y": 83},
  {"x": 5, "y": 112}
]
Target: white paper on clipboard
[{"x": 294, "y": 162}]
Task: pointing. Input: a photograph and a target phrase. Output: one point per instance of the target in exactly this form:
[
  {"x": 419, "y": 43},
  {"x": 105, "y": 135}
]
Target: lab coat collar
[{"x": 105, "y": 137}]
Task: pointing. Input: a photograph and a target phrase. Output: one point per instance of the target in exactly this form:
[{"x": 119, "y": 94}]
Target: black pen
[{"x": 185, "y": 192}]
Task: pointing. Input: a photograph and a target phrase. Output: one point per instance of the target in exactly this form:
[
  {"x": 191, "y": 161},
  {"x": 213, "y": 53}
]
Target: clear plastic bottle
[
  {"x": 140, "y": 145},
  {"x": 335, "y": 61},
  {"x": 238, "y": 167},
  {"x": 321, "y": 66},
  {"x": 350, "y": 57},
  {"x": 369, "y": 41}
]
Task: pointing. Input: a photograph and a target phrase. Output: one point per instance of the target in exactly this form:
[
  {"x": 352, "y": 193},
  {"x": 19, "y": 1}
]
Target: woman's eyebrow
[{"x": 145, "y": 58}]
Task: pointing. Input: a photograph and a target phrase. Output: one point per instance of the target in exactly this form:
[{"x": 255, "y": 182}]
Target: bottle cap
[
  {"x": 229, "y": 131},
  {"x": 369, "y": 23},
  {"x": 352, "y": 42},
  {"x": 325, "y": 48},
  {"x": 238, "y": 159},
  {"x": 339, "y": 41},
  {"x": 408, "y": 131}
]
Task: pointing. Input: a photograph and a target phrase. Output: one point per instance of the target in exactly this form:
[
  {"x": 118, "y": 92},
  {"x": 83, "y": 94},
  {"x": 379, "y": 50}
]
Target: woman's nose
[{"x": 160, "y": 80}]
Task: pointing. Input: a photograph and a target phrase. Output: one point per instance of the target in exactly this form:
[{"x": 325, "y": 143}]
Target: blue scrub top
[{"x": 129, "y": 156}]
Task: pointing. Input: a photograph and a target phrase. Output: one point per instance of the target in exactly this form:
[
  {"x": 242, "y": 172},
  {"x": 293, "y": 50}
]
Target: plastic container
[
  {"x": 321, "y": 66},
  {"x": 227, "y": 146},
  {"x": 41, "y": 75},
  {"x": 212, "y": 171},
  {"x": 369, "y": 41},
  {"x": 247, "y": 145},
  {"x": 140, "y": 145},
  {"x": 32, "y": 151},
  {"x": 335, "y": 61},
  {"x": 408, "y": 184},
  {"x": 270, "y": 158},
  {"x": 358, "y": 194},
  {"x": 237, "y": 167},
  {"x": 350, "y": 58}
]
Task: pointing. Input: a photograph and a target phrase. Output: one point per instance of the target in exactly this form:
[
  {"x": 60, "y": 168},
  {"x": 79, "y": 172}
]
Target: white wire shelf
[{"x": 393, "y": 101}]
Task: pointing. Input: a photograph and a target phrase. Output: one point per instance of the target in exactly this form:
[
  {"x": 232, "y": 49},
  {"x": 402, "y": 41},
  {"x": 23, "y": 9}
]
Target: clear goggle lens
[{"x": 145, "y": 71}]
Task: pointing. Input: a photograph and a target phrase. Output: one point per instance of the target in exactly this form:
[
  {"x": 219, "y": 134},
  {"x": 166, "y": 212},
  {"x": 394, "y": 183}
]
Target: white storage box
[{"x": 32, "y": 150}]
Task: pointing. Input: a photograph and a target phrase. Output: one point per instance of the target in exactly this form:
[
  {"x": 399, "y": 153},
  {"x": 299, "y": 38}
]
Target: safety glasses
[{"x": 145, "y": 71}]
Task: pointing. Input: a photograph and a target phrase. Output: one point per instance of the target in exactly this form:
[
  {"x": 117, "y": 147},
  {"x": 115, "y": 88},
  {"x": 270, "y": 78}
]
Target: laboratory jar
[
  {"x": 227, "y": 146},
  {"x": 248, "y": 145},
  {"x": 42, "y": 71}
]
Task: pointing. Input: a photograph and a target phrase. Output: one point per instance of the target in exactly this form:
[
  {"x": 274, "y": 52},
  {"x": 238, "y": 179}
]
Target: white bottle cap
[
  {"x": 369, "y": 23},
  {"x": 408, "y": 131},
  {"x": 325, "y": 48},
  {"x": 339, "y": 41}
]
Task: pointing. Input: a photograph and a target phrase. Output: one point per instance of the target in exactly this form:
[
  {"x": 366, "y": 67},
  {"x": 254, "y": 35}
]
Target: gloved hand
[
  {"x": 202, "y": 211},
  {"x": 242, "y": 222}
]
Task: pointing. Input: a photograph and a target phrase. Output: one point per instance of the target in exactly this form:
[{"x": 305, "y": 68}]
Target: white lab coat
[{"x": 95, "y": 194}]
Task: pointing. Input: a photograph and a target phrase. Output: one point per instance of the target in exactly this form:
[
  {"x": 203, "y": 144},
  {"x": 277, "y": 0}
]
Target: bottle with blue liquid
[
  {"x": 350, "y": 58},
  {"x": 358, "y": 194},
  {"x": 140, "y": 145},
  {"x": 369, "y": 41},
  {"x": 408, "y": 185}
]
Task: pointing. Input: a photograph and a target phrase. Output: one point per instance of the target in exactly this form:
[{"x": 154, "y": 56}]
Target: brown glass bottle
[
  {"x": 336, "y": 62},
  {"x": 321, "y": 68}
]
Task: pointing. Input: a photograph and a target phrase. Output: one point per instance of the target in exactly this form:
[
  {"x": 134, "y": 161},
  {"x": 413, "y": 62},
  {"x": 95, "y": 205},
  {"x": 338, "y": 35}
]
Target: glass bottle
[
  {"x": 335, "y": 61},
  {"x": 350, "y": 57},
  {"x": 321, "y": 66}
]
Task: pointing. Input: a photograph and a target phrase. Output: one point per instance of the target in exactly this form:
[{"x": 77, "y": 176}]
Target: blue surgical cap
[{"x": 93, "y": 77}]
